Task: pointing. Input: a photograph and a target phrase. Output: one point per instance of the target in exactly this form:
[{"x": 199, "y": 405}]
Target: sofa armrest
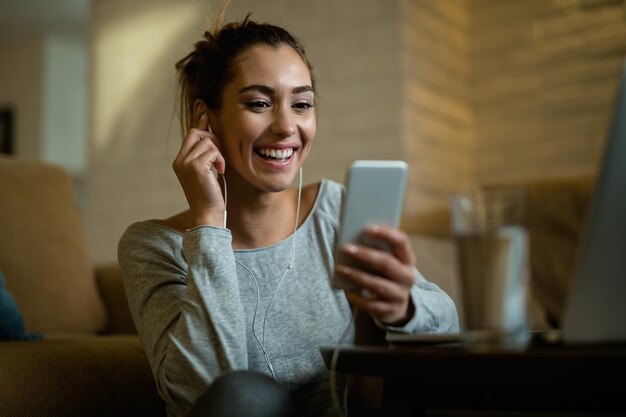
[
  {"x": 77, "y": 376},
  {"x": 111, "y": 288}
]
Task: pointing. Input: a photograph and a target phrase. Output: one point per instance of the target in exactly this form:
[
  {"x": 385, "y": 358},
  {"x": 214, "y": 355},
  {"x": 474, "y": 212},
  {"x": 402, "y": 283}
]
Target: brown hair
[{"x": 205, "y": 71}]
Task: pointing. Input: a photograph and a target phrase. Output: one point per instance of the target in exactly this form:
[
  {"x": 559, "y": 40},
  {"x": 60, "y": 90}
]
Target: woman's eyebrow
[
  {"x": 271, "y": 91},
  {"x": 258, "y": 87},
  {"x": 302, "y": 89}
]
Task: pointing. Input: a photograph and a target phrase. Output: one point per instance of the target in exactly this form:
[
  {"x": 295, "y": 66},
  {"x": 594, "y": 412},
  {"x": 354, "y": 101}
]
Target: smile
[{"x": 275, "y": 154}]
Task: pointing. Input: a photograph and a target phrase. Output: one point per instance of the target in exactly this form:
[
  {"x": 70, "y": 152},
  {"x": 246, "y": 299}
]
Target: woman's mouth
[{"x": 272, "y": 154}]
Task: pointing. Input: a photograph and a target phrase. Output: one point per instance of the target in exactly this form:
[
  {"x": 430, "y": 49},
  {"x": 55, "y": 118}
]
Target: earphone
[
  {"x": 290, "y": 265},
  {"x": 335, "y": 357}
]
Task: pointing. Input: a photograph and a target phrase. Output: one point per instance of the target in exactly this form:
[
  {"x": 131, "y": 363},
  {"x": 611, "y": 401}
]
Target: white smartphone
[{"x": 374, "y": 195}]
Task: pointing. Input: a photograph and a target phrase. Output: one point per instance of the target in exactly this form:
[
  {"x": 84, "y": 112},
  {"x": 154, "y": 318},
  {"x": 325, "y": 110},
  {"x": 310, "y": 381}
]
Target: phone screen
[{"x": 374, "y": 195}]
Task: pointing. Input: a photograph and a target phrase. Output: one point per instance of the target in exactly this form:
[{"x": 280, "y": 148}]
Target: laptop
[
  {"x": 595, "y": 310},
  {"x": 596, "y": 306}
]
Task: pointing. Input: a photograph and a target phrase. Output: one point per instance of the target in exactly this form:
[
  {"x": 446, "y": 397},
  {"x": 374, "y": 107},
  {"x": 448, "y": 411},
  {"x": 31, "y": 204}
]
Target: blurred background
[{"x": 468, "y": 92}]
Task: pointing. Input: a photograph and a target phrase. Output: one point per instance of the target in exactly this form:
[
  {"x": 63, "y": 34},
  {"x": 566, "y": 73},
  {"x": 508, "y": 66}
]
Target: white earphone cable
[
  {"x": 256, "y": 308},
  {"x": 293, "y": 255},
  {"x": 225, "y": 200},
  {"x": 261, "y": 342}
]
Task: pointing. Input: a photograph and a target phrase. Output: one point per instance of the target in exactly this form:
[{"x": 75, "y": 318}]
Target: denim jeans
[{"x": 243, "y": 394}]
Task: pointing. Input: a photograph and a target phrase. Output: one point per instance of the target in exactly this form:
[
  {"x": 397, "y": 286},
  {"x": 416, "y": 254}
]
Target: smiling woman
[
  {"x": 232, "y": 310},
  {"x": 266, "y": 109}
]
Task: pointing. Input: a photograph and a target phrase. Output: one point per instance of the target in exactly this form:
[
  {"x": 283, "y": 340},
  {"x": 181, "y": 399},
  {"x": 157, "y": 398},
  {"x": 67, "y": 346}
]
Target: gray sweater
[{"x": 193, "y": 299}]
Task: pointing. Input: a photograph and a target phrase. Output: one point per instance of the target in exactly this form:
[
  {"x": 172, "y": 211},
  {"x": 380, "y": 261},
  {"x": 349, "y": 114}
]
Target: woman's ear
[{"x": 199, "y": 108}]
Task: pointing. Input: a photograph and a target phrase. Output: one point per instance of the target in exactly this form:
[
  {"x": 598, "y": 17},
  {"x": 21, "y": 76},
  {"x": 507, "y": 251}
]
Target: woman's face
[{"x": 267, "y": 122}]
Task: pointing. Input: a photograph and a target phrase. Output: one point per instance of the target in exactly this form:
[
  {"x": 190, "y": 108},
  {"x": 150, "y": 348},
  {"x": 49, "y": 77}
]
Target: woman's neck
[
  {"x": 255, "y": 225},
  {"x": 257, "y": 219}
]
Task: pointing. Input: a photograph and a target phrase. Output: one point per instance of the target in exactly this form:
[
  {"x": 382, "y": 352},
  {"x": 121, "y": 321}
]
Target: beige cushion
[
  {"x": 77, "y": 376},
  {"x": 556, "y": 214},
  {"x": 43, "y": 252},
  {"x": 112, "y": 291},
  {"x": 557, "y": 211}
]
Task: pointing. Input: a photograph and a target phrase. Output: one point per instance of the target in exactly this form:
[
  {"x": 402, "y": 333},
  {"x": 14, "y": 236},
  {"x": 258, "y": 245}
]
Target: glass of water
[{"x": 489, "y": 228}]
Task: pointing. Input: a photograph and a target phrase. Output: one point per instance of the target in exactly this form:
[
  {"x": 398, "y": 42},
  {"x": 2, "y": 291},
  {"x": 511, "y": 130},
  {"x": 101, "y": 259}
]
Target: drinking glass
[{"x": 490, "y": 233}]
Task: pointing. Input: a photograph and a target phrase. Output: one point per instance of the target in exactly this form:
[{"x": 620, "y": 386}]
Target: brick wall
[
  {"x": 506, "y": 91},
  {"x": 437, "y": 119},
  {"x": 467, "y": 91},
  {"x": 543, "y": 77}
]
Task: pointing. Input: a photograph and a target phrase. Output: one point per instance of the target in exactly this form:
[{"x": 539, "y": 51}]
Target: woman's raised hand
[
  {"x": 198, "y": 154},
  {"x": 385, "y": 293}
]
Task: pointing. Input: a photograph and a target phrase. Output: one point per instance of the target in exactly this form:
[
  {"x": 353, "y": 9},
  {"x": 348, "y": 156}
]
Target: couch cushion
[
  {"x": 77, "y": 376},
  {"x": 112, "y": 291},
  {"x": 557, "y": 211},
  {"x": 43, "y": 251}
]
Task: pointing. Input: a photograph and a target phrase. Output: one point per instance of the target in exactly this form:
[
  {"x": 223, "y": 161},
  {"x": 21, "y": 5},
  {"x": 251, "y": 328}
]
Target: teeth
[{"x": 275, "y": 153}]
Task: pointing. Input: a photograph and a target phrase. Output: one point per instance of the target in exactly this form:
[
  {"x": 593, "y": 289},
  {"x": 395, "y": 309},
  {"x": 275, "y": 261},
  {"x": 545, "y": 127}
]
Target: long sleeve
[
  {"x": 194, "y": 301},
  {"x": 435, "y": 311},
  {"x": 189, "y": 317}
]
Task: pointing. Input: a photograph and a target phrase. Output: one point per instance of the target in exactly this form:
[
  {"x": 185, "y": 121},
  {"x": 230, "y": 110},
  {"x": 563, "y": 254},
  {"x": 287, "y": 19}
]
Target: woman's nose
[{"x": 283, "y": 124}]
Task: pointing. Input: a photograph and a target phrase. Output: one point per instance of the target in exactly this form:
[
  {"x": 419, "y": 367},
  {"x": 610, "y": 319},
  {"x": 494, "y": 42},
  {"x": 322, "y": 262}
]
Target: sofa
[
  {"x": 79, "y": 354},
  {"x": 89, "y": 360}
]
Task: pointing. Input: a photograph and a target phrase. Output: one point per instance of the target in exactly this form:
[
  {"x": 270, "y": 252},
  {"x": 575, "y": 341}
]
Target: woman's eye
[
  {"x": 302, "y": 106},
  {"x": 257, "y": 105}
]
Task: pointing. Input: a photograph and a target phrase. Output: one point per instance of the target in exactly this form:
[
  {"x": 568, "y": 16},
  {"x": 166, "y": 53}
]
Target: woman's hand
[
  {"x": 198, "y": 154},
  {"x": 385, "y": 294}
]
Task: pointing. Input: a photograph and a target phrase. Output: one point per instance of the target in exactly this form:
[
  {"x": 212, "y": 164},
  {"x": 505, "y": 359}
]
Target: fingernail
[
  {"x": 342, "y": 268},
  {"x": 374, "y": 228},
  {"x": 350, "y": 248}
]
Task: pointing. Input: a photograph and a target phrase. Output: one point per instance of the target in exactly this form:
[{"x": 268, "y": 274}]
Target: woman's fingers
[
  {"x": 372, "y": 287},
  {"x": 386, "y": 300},
  {"x": 191, "y": 141},
  {"x": 198, "y": 155},
  {"x": 200, "y": 135},
  {"x": 199, "y": 150},
  {"x": 395, "y": 314},
  {"x": 377, "y": 308},
  {"x": 210, "y": 157},
  {"x": 202, "y": 147},
  {"x": 195, "y": 134},
  {"x": 398, "y": 241},
  {"x": 384, "y": 278},
  {"x": 384, "y": 263},
  {"x": 219, "y": 163}
]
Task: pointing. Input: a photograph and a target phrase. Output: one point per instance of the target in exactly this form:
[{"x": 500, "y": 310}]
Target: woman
[{"x": 211, "y": 293}]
